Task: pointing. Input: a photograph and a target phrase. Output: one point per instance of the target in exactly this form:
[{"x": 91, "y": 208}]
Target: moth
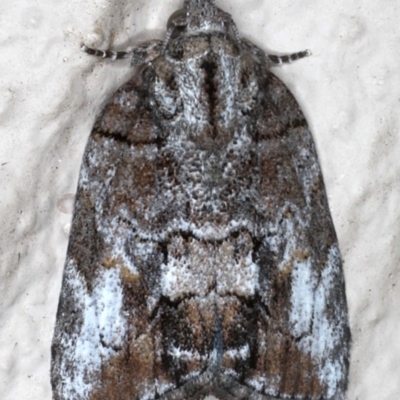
[{"x": 202, "y": 257}]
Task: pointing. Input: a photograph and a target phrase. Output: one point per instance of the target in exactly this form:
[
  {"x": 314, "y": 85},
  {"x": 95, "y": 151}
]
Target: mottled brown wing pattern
[{"x": 202, "y": 257}]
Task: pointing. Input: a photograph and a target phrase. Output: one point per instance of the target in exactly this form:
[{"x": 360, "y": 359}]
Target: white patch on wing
[
  {"x": 189, "y": 269},
  {"x": 183, "y": 355},
  {"x": 194, "y": 267},
  {"x": 310, "y": 298},
  {"x": 103, "y": 328},
  {"x": 236, "y": 273},
  {"x": 327, "y": 334},
  {"x": 242, "y": 353},
  {"x": 302, "y": 298}
]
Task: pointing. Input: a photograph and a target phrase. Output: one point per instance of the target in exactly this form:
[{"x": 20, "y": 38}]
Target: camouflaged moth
[{"x": 202, "y": 258}]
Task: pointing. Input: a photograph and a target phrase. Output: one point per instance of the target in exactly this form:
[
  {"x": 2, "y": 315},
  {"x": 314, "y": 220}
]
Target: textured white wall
[{"x": 50, "y": 93}]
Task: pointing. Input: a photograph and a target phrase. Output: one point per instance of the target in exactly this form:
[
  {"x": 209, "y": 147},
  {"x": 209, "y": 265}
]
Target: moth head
[
  {"x": 198, "y": 16},
  {"x": 196, "y": 5}
]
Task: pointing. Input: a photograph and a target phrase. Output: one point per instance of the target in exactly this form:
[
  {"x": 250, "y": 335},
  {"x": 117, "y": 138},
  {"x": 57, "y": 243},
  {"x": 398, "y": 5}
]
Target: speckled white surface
[{"x": 50, "y": 93}]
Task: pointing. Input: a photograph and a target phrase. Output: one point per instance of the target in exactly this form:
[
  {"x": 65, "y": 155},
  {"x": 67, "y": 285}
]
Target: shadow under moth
[{"x": 202, "y": 260}]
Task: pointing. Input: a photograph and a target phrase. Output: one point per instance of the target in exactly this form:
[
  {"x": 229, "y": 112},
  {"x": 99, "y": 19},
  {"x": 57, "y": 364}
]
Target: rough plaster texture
[{"x": 50, "y": 93}]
